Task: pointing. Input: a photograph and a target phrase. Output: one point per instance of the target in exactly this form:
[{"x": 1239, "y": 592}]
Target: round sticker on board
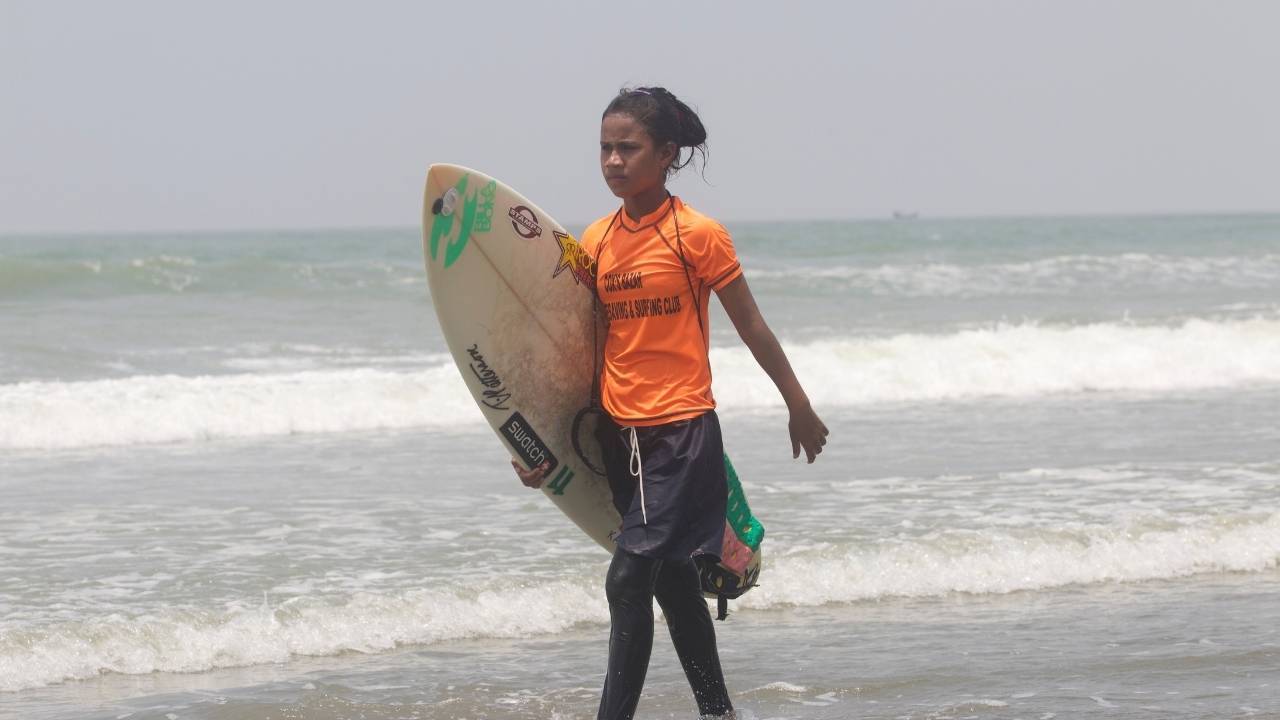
[{"x": 524, "y": 222}]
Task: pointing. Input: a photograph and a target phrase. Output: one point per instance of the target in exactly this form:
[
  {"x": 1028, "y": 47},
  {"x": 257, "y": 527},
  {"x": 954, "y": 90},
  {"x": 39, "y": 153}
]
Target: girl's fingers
[{"x": 530, "y": 478}]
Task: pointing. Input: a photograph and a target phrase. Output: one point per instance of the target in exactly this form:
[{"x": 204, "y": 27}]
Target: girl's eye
[{"x": 621, "y": 148}]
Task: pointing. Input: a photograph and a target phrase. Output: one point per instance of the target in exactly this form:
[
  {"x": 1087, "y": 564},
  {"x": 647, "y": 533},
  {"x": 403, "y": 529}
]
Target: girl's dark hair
[{"x": 667, "y": 120}]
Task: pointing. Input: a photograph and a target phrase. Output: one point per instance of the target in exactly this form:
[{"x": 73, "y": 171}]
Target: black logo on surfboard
[
  {"x": 526, "y": 443},
  {"x": 495, "y": 394}
]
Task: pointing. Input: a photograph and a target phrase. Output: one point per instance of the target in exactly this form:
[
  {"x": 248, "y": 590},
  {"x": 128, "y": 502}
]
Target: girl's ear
[{"x": 671, "y": 153}]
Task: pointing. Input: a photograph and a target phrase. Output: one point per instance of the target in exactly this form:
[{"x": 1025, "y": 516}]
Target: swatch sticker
[{"x": 520, "y": 435}]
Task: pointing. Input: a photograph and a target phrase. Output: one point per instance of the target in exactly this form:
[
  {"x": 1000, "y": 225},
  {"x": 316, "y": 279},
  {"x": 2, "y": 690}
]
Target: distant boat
[{"x": 900, "y": 215}]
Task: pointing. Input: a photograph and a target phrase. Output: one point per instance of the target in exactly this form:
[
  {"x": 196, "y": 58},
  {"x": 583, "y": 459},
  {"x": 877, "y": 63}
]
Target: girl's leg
[
  {"x": 679, "y": 592},
  {"x": 629, "y": 587}
]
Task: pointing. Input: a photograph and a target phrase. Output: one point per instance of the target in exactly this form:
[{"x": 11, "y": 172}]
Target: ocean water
[{"x": 240, "y": 478}]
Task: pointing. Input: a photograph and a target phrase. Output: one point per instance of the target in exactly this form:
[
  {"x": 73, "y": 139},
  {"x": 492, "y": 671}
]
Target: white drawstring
[{"x": 637, "y": 471}]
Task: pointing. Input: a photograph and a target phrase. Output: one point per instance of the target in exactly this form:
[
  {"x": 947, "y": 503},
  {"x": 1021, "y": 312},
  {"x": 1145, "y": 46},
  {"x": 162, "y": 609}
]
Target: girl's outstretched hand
[{"x": 807, "y": 431}]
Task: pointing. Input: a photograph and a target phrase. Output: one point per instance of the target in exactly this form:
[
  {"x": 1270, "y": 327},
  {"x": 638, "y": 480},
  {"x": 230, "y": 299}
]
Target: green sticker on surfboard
[{"x": 476, "y": 216}]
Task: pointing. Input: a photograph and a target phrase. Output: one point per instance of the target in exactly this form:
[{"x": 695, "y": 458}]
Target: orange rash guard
[{"x": 655, "y": 359}]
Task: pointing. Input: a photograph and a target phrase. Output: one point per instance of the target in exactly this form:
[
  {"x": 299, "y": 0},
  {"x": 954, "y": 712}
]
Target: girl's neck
[{"x": 646, "y": 202}]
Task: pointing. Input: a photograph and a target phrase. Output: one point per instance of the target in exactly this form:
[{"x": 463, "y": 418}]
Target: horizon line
[{"x": 914, "y": 216}]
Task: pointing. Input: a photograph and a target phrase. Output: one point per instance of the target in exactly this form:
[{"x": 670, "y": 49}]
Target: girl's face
[{"x": 632, "y": 164}]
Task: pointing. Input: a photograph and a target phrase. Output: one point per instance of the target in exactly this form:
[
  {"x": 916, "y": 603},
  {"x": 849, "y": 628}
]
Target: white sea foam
[
  {"x": 989, "y": 561},
  {"x": 171, "y": 408},
  {"x": 1003, "y": 561},
  {"x": 1002, "y": 361},
  {"x": 1014, "y": 361},
  {"x": 186, "y": 640}
]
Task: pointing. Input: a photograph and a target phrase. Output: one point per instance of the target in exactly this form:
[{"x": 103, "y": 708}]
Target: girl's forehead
[{"x": 620, "y": 126}]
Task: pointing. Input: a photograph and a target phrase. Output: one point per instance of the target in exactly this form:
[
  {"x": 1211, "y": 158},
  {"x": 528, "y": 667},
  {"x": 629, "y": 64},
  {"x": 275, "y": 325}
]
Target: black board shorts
[{"x": 685, "y": 488}]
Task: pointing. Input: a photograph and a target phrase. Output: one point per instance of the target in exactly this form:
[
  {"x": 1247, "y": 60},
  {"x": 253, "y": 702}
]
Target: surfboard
[{"x": 512, "y": 290}]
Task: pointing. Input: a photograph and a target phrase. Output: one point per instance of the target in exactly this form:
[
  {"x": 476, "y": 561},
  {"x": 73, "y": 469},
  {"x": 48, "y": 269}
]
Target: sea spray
[
  {"x": 1021, "y": 361},
  {"x": 982, "y": 561}
]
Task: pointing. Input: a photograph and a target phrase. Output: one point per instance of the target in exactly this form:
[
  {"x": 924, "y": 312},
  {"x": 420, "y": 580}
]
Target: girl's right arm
[{"x": 807, "y": 430}]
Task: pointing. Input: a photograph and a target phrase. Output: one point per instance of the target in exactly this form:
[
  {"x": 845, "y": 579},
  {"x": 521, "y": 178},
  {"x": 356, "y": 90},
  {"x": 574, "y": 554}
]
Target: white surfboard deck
[{"x": 511, "y": 290}]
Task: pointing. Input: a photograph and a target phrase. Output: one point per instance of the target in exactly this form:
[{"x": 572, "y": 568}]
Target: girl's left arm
[{"x": 807, "y": 429}]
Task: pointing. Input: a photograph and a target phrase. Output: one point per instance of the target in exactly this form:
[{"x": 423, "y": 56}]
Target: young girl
[{"x": 657, "y": 261}]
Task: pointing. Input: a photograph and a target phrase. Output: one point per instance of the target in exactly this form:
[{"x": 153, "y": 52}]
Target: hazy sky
[{"x": 132, "y": 115}]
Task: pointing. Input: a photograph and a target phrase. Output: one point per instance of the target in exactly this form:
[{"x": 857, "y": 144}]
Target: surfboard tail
[{"x": 738, "y": 569}]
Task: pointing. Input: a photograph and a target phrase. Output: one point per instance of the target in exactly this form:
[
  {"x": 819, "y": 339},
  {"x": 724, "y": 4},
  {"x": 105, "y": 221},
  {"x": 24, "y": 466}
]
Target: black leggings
[{"x": 633, "y": 582}]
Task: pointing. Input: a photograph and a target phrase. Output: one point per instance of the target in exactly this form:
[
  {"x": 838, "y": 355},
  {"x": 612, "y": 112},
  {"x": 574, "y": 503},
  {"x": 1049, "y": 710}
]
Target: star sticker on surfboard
[{"x": 574, "y": 259}]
